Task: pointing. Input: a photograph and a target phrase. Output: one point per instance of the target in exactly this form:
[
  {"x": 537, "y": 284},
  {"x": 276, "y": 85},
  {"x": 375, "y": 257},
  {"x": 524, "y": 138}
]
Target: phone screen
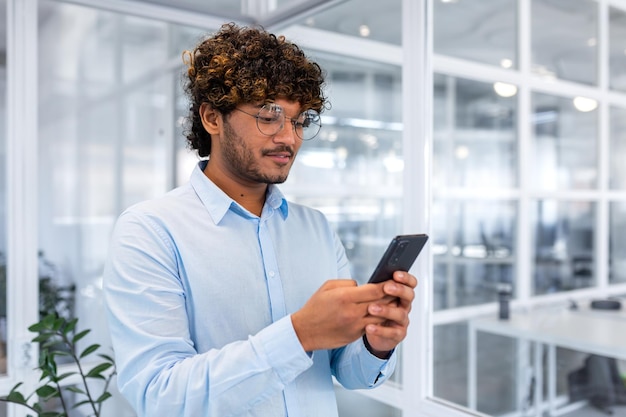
[{"x": 399, "y": 256}]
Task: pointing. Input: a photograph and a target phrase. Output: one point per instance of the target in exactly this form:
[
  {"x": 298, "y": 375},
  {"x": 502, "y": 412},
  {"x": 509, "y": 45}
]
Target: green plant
[{"x": 58, "y": 338}]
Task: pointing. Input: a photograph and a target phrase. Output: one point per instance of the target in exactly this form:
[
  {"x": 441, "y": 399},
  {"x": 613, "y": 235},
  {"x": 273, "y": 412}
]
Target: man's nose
[{"x": 287, "y": 132}]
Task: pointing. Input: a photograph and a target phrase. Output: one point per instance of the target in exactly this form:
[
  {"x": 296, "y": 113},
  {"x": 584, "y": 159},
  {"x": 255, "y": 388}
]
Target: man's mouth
[{"x": 279, "y": 155}]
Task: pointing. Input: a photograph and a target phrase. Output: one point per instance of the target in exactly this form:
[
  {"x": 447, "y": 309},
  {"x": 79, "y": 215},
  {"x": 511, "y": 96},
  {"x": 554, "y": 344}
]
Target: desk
[{"x": 590, "y": 331}]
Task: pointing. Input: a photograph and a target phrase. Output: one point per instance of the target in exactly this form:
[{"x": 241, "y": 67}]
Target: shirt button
[{"x": 272, "y": 273}]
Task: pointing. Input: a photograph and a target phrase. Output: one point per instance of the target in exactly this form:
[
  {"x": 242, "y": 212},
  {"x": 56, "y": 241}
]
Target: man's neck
[{"x": 250, "y": 197}]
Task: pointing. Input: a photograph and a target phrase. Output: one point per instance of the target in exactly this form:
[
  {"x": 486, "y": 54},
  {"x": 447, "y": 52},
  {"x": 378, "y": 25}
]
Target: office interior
[{"x": 498, "y": 127}]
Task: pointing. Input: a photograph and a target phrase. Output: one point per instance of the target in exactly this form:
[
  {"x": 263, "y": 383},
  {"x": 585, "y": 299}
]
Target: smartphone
[{"x": 399, "y": 256}]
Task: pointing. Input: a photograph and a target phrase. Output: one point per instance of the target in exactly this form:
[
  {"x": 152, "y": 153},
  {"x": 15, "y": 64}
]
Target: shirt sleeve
[
  {"x": 159, "y": 370},
  {"x": 356, "y": 368}
]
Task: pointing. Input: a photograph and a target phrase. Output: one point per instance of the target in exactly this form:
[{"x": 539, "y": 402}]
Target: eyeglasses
[{"x": 271, "y": 119}]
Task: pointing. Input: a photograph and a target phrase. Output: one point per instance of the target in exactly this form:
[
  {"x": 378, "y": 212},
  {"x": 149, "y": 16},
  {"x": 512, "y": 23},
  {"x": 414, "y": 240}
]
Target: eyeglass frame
[{"x": 293, "y": 121}]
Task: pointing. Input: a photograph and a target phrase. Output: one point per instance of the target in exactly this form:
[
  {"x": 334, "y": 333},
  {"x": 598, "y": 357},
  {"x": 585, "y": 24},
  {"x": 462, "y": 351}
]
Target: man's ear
[{"x": 211, "y": 118}]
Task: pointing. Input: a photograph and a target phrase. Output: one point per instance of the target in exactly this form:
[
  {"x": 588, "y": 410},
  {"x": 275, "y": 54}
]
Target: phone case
[{"x": 399, "y": 256}]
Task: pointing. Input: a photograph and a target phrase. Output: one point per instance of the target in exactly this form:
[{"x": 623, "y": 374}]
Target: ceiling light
[
  {"x": 585, "y": 104},
  {"x": 449, "y": 1},
  {"x": 505, "y": 89},
  {"x": 506, "y": 63},
  {"x": 461, "y": 152},
  {"x": 364, "y": 31}
]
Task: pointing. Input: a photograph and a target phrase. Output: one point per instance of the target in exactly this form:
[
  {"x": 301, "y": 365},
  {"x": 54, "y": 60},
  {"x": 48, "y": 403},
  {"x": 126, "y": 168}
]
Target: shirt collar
[{"x": 217, "y": 202}]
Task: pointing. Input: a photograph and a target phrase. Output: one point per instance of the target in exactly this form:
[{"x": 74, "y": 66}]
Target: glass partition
[
  {"x": 557, "y": 50},
  {"x": 565, "y": 145},
  {"x": 617, "y": 242},
  {"x": 477, "y": 30},
  {"x": 563, "y": 245},
  {"x": 3, "y": 195},
  {"x": 617, "y": 49},
  {"x": 617, "y": 149},
  {"x": 474, "y": 247},
  {"x": 496, "y": 362},
  {"x": 382, "y": 22},
  {"x": 475, "y": 137}
]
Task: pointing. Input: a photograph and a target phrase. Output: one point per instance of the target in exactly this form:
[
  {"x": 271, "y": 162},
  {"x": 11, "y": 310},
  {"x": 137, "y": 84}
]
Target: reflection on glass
[
  {"x": 496, "y": 361},
  {"x": 564, "y": 150},
  {"x": 617, "y": 49},
  {"x": 557, "y": 50},
  {"x": 383, "y": 22},
  {"x": 617, "y": 149},
  {"x": 475, "y": 138},
  {"x": 473, "y": 244},
  {"x": 617, "y": 242},
  {"x": 143, "y": 44},
  {"x": 477, "y": 30},
  {"x": 564, "y": 241}
]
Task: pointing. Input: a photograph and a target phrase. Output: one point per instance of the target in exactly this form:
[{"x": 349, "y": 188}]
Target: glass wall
[
  {"x": 617, "y": 49},
  {"x": 528, "y": 192},
  {"x": 557, "y": 50},
  {"x": 106, "y": 141},
  {"x": 474, "y": 241},
  {"x": 3, "y": 192},
  {"x": 565, "y": 146},
  {"x": 477, "y": 30}
]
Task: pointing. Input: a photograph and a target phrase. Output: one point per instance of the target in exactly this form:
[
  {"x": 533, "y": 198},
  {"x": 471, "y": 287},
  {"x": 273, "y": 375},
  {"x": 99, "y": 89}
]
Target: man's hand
[
  {"x": 386, "y": 333},
  {"x": 337, "y": 314}
]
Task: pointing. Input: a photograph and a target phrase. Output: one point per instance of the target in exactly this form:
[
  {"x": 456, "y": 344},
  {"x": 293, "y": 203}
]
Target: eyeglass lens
[{"x": 271, "y": 119}]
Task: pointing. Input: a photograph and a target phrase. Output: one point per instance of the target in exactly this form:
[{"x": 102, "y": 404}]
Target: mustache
[{"x": 280, "y": 149}]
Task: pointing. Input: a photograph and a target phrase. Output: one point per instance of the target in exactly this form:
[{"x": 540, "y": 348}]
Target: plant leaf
[
  {"x": 74, "y": 389},
  {"x": 65, "y": 375},
  {"x": 80, "y": 335},
  {"x": 96, "y": 372},
  {"x": 103, "y": 397},
  {"x": 89, "y": 350},
  {"x": 78, "y": 404},
  {"x": 107, "y": 357},
  {"x": 16, "y": 397},
  {"x": 70, "y": 326},
  {"x": 47, "y": 391},
  {"x": 58, "y": 324},
  {"x": 51, "y": 414}
]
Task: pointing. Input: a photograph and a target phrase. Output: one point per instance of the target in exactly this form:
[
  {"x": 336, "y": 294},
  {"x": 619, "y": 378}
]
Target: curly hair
[{"x": 246, "y": 65}]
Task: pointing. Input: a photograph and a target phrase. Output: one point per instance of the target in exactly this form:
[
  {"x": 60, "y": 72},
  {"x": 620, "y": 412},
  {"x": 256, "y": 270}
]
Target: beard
[{"x": 243, "y": 162}]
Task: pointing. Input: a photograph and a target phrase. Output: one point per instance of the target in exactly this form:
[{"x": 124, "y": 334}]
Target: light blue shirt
[{"x": 199, "y": 293}]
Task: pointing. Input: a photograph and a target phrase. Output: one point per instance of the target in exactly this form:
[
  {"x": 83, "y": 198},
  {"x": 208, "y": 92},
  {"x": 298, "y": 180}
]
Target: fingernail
[{"x": 375, "y": 308}]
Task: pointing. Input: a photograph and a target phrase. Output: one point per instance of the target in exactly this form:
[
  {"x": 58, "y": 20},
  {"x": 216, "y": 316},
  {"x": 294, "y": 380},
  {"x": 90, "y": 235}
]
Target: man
[{"x": 223, "y": 298}]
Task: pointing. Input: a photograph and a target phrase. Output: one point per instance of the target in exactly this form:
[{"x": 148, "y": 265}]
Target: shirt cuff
[
  {"x": 283, "y": 350},
  {"x": 385, "y": 366}
]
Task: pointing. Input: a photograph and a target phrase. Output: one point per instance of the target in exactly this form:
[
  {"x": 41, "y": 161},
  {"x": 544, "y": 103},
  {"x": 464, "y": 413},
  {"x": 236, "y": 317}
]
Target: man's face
[{"x": 254, "y": 157}]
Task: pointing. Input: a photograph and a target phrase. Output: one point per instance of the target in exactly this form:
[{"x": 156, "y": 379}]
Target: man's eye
[
  {"x": 268, "y": 118},
  {"x": 304, "y": 123}
]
